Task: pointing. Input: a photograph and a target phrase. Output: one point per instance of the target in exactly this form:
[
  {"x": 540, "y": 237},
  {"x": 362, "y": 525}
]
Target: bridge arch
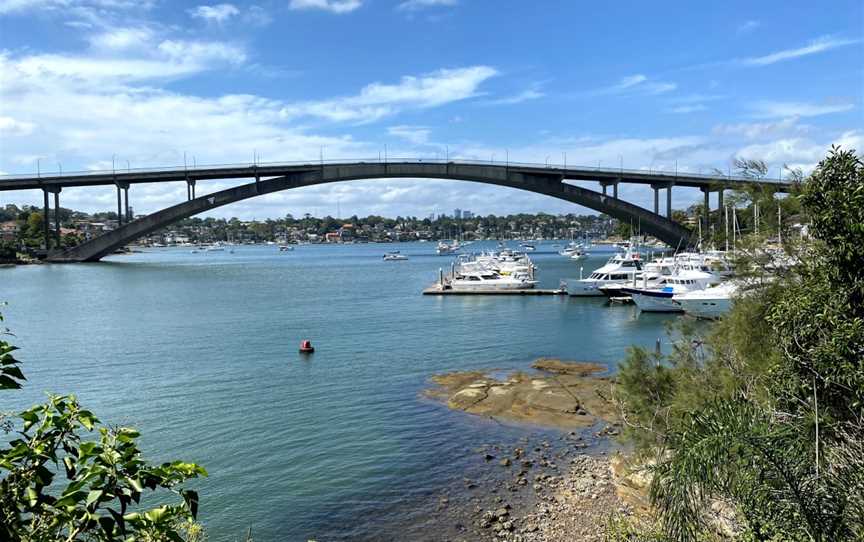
[{"x": 550, "y": 184}]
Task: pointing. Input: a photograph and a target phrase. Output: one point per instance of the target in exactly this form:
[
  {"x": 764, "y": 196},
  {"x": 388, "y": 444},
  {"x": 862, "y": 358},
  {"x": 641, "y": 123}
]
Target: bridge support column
[
  {"x": 656, "y": 199},
  {"x": 604, "y": 188},
  {"x": 46, "y": 224},
  {"x": 720, "y": 205},
  {"x": 126, "y": 203},
  {"x": 190, "y": 188},
  {"x": 669, "y": 202},
  {"x": 706, "y": 211},
  {"x": 57, "y": 217},
  {"x": 119, "y": 207},
  {"x": 615, "y": 190}
]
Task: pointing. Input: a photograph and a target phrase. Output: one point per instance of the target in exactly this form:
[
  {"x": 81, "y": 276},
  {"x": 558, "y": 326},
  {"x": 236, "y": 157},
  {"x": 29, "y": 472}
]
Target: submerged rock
[{"x": 562, "y": 395}]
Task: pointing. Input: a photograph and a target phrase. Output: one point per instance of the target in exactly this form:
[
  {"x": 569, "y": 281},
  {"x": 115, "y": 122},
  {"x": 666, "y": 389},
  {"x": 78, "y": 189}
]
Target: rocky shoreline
[
  {"x": 560, "y": 485},
  {"x": 558, "y": 394}
]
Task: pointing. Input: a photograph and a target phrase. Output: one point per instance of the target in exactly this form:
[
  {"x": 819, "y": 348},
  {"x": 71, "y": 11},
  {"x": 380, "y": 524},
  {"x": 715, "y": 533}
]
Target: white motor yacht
[
  {"x": 571, "y": 247},
  {"x": 487, "y": 280},
  {"x": 619, "y": 269},
  {"x": 660, "y": 297},
  {"x": 447, "y": 247},
  {"x": 710, "y": 303},
  {"x": 394, "y": 256}
]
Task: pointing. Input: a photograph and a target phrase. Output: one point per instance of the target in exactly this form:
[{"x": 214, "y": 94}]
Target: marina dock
[{"x": 435, "y": 290}]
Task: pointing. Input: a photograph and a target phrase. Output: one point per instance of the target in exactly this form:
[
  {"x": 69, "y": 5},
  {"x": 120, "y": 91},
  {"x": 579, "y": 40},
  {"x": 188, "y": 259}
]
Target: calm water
[{"x": 199, "y": 351}]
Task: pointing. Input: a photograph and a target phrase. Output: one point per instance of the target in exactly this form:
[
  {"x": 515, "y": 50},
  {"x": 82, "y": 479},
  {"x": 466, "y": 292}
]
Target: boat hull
[
  {"x": 705, "y": 308},
  {"x": 490, "y": 287},
  {"x": 581, "y": 288},
  {"x": 648, "y": 301}
]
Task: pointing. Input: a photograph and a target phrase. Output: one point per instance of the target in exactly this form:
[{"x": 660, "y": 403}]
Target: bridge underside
[{"x": 551, "y": 185}]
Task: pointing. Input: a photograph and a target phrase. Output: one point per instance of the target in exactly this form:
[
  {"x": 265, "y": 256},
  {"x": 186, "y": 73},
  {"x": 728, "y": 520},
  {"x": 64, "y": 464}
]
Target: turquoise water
[{"x": 199, "y": 351}]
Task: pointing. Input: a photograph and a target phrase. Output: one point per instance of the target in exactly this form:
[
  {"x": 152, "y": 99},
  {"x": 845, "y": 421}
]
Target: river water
[{"x": 199, "y": 352}]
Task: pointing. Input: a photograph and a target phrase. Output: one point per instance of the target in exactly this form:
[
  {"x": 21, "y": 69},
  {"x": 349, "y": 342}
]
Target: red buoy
[{"x": 306, "y": 347}]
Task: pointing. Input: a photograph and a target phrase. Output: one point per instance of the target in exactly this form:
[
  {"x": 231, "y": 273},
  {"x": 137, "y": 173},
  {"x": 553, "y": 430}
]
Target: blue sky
[{"x": 649, "y": 84}]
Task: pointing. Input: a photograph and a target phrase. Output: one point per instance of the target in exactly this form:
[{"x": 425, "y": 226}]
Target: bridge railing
[{"x": 623, "y": 172}]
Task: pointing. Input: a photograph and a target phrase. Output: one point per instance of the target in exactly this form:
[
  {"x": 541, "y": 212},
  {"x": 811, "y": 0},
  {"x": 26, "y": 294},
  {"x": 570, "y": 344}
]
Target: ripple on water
[{"x": 199, "y": 351}]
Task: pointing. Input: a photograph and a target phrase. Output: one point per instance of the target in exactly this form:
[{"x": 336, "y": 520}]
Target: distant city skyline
[{"x": 88, "y": 83}]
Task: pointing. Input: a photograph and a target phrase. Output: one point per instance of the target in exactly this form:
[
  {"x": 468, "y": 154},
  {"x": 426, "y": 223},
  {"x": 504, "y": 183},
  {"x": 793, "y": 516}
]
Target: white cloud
[
  {"x": 218, "y": 13},
  {"x": 202, "y": 53},
  {"x": 76, "y": 7},
  {"x": 379, "y": 100},
  {"x": 10, "y": 127},
  {"x": 418, "y": 135},
  {"x": 414, "y": 5},
  {"x": 685, "y": 109},
  {"x": 258, "y": 16},
  {"x": 333, "y": 6},
  {"x": 771, "y": 109},
  {"x": 121, "y": 39},
  {"x": 166, "y": 59},
  {"x": 524, "y": 96},
  {"x": 637, "y": 84},
  {"x": 819, "y": 45},
  {"x": 630, "y": 81},
  {"x": 761, "y": 130},
  {"x": 748, "y": 26}
]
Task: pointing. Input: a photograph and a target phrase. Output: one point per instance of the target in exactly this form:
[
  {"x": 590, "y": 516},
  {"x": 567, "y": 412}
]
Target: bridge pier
[
  {"x": 57, "y": 217},
  {"x": 706, "y": 211},
  {"x": 46, "y": 224},
  {"x": 46, "y": 221},
  {"x": 126, "y": 203},
  {"x": 656, "y": 199},
  {"x": 669, "y": 201},
  {"x": 613, "y": 184},
  {"x": 190, "y": 189},
  {"x": 119, "y": 207},
  {"x": 720, "y": 206}
]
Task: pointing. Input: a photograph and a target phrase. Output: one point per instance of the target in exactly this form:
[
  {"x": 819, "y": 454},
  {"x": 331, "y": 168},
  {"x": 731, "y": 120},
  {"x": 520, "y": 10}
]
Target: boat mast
[{"x": 779, "y": 225}]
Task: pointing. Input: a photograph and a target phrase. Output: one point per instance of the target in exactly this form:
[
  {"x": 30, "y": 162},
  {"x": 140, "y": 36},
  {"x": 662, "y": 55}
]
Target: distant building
[
  {"x": 467, "y": 215},
  {"x": 457, "y": 214},
  {"x": 9, "y": 230}
]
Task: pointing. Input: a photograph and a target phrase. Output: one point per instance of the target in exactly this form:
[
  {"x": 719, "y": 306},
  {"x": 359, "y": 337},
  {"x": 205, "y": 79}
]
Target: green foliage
[
  {"x": 57, "y": 485},
  {"x": 821, "y": 327},
  {"x": 620, "y": 528},
  {"x": 768, "y": 414},
  {"x": 10, "y": 372}
]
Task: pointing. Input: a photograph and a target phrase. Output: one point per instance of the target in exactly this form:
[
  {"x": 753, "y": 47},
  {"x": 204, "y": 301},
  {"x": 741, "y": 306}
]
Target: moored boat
[{"x": 710, "y": 303}]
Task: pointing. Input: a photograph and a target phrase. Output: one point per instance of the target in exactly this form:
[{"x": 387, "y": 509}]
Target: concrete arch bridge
[{"x": 267, "y": 179}]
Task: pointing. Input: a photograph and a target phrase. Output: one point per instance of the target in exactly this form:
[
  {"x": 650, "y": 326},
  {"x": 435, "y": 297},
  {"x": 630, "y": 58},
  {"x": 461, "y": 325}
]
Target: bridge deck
[{"x": 391, "y": 168}]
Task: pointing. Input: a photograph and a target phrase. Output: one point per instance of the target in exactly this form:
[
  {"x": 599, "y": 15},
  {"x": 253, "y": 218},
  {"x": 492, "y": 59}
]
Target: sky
[{"x": 653, "y": 85}]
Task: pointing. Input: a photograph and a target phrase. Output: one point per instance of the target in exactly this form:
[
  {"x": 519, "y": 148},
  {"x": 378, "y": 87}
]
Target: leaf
[
  {"x": 94, "y": 496},
  {"x": 7, "y": 383},
  {"x": 191, "y": 498},
  {"x": 70, "y": 467},
  {"x": 32, "y": 497},
  {"x": 157, "y": 514},
  {"x": 118, "y": 518},
  {"x": 14, "y": 372},
  {"x": 107, "y": 525},
  {"x": 136, "y": 484}
]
